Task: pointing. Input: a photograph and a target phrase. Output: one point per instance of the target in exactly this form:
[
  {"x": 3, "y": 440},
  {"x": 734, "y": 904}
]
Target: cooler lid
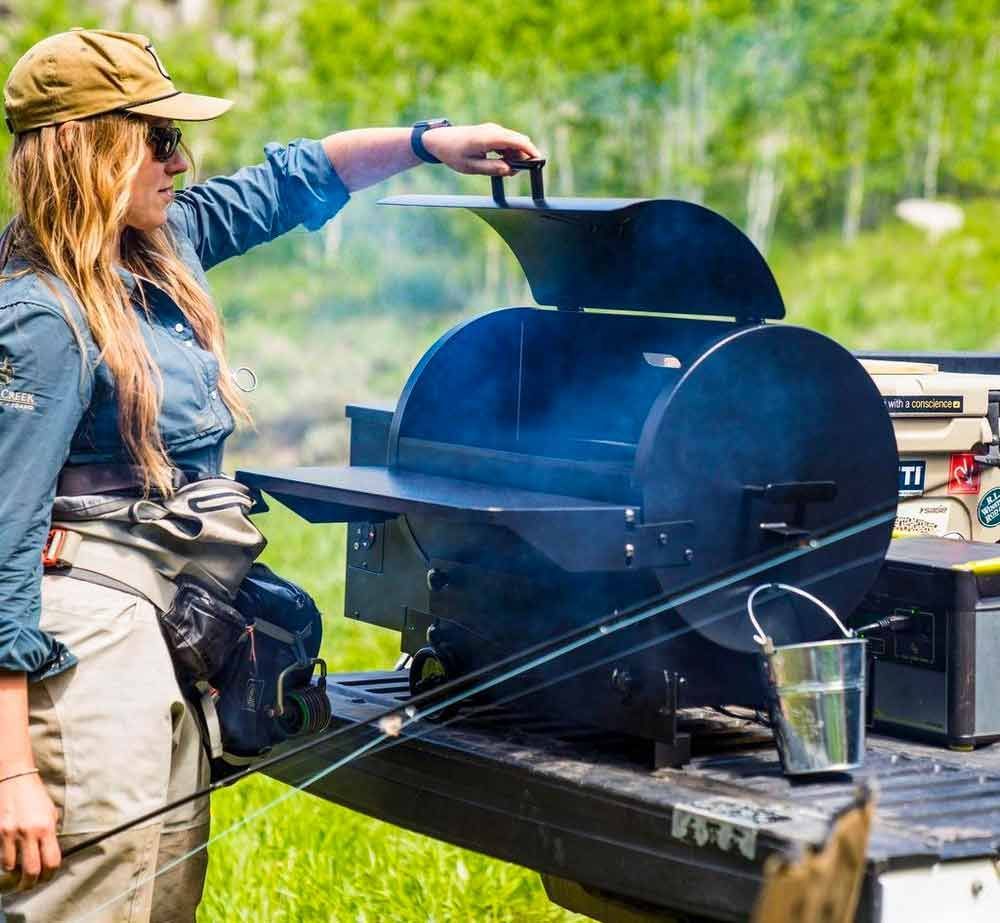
[{"x": 660, "y": 255}]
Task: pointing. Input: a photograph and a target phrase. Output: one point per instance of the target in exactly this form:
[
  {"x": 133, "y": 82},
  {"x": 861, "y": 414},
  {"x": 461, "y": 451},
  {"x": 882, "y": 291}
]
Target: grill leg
[{"x": 675, "y": 750}]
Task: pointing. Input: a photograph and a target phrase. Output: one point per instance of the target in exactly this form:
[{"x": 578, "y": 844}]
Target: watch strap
[{"x": 416, "y": 138}]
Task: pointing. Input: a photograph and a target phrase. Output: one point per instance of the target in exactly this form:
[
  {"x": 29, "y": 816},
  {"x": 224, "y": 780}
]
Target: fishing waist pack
[{"x": 248, "y": 666}]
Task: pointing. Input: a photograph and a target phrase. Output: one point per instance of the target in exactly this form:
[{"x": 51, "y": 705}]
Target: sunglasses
[{"x": 164, "y": 141}]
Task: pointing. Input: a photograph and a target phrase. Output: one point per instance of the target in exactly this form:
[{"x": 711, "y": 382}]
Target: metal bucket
[{"x": 816, "y": 696}]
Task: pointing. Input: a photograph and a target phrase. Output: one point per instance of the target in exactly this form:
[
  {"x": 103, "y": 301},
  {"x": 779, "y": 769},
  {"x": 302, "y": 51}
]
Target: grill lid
[{"x": 658, "y": 255}]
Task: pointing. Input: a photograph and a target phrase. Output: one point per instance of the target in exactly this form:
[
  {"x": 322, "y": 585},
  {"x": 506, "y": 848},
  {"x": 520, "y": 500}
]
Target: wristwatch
[{"x": 417, "y": 134}]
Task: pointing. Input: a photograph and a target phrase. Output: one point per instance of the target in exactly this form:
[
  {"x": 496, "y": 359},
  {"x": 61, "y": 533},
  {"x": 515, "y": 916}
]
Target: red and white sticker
[{"x": 963, "y": 475}]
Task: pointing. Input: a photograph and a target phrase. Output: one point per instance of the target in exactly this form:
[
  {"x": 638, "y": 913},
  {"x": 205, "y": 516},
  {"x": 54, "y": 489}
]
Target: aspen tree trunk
[
  {"x": 666, "y": 180},
  {"x": 699, "y": 115},
  {"x": 911, "y": 128},
  {"x": 690, "y": 121},
  {"x": 987, "y": 82},
  {"x": 158, "y": 19},
  {"x": 683, "y": 122},
  {"x": 857, "y": 154},
  {"x": 192, "y": 11},
  {"x": 111, "y": 12},
  {"x": 855, "y": 200},
  {"x": 631, "y": 141},
  {"x": 764, "y": 190},
  {"x": 932, "y": 160},
  {"x": 563, "y": 150}
]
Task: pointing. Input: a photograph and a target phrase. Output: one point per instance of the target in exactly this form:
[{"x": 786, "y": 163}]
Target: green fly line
[{"x": 409, "y": 715}]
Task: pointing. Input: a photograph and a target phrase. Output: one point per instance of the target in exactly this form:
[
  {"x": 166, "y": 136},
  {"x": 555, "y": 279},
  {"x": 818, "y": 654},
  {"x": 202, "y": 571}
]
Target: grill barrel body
[{"x": 543, "y": 468}]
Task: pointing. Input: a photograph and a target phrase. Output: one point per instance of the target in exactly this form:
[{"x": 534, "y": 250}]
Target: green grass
[{"x": 308, "y": 860}]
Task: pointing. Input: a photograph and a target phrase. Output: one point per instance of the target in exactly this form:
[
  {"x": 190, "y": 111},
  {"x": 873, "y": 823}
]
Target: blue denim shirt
[{"x": 57, "y": 400}]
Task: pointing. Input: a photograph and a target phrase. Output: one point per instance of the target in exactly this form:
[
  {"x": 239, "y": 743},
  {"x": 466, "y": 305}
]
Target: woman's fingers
[
  {"x": 29, "y": 849},
  {"x": 486, "y": 166},
  {"x": 31, "y": 862},
  {"x": 466, "y": 148},
  {"x": 8, "y": 847},
  {"x": 51, "y": 855},
  {"x": 40, "y": 857},
  {"x": 498, "y": 139}
]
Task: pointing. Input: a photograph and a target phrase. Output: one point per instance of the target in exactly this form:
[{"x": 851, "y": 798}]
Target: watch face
[{"x": 436, "y": 123}]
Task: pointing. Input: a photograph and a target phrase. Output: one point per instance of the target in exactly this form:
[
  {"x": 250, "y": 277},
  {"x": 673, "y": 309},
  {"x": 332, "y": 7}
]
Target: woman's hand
[
  {"x": 464, "y": 147},
  {"x": 27, "y": 831}
]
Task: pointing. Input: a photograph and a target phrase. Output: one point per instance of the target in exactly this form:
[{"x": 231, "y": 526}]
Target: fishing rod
[
  {"x": 390, "y": 738},
  {"x": 521, "y": 661},
  {"x": 407, "y": 714}
]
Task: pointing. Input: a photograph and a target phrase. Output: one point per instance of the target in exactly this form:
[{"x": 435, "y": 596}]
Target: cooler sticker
[
  {"x": 989, "y": 509},
  {"x": 924, "y": 403},
  {"x": 10, "y": 397},
  {"x": 911, "y": 477},
  {"x": 963, "y": 475},
  {"x": 722, "y": 823},
  {"x": 922, "y": 518}
]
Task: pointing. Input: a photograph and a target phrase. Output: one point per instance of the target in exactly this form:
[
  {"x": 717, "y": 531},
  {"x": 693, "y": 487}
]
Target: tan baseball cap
[{"x": 87, "y": 72}]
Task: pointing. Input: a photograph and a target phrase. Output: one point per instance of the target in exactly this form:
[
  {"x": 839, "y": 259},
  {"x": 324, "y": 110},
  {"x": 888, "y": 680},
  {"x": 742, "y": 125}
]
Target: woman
[{"x": 113, "y": 383}]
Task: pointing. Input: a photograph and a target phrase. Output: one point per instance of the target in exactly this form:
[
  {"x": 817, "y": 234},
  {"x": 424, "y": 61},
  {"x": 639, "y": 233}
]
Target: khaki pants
[{"x": 113, "y": 738}]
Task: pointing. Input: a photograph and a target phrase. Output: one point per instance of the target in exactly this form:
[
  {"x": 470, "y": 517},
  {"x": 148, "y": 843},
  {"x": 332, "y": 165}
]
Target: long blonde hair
[{"x": 72, "y": 194}]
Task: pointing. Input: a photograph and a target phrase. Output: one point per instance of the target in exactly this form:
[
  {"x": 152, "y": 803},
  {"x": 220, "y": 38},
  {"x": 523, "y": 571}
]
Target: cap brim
[{"x": 185, "y": 107}]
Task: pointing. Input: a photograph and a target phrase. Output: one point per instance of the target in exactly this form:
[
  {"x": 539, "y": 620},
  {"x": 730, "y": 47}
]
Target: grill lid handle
[{"x": 534, "y": 165}]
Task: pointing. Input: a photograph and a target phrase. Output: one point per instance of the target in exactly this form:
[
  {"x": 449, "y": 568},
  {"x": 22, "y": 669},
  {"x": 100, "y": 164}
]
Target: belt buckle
[{"x": 53, "y": 552}]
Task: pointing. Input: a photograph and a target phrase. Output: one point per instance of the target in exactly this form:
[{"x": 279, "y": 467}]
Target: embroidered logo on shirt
[{"x": 22, "y": 400}]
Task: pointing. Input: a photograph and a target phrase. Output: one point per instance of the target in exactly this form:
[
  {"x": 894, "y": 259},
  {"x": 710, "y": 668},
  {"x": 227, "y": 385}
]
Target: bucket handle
[{"x": 762, "y": 639}]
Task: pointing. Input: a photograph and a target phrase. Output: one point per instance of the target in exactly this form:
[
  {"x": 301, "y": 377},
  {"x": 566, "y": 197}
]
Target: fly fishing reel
[{"x": 302, "y": 709}]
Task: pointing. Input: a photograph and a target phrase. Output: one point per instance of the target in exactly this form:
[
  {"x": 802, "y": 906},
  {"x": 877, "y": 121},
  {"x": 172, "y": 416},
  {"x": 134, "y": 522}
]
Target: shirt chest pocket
[
  {"x": 192, "y": 406},
  {"x": 192, "y": 412}
]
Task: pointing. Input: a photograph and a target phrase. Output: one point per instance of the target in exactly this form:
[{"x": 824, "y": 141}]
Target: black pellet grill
[{"x": 544, "y": 467}]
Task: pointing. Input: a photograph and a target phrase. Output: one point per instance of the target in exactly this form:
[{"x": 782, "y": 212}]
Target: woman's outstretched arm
[{"x": 365, "y": 156}]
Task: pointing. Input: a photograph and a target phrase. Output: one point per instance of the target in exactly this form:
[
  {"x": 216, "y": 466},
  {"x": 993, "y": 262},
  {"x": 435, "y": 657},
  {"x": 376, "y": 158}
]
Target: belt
[
  {"x": 85, "y": 480},
  {"x": 70, "y": 554}
]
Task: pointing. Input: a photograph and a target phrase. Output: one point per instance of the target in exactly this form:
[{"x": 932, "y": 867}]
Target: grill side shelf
[{"x": 550, "y": 523}]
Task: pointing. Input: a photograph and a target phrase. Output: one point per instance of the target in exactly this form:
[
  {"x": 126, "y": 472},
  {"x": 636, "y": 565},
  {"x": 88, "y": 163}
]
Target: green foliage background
[{"x": 803, "y": 121}]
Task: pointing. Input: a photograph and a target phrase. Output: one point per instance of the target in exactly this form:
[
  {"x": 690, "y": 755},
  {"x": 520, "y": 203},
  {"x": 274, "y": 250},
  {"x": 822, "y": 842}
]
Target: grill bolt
[
  {"x": 688, "y": 555},
  {"x": 629, "y": 554},
  {"x": 662, "y": 538},
  {"x": 630, "y": 516}
]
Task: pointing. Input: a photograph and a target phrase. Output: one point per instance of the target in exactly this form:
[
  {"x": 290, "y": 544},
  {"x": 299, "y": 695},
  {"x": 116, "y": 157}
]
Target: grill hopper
[{"x": 544, "y": 467}]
